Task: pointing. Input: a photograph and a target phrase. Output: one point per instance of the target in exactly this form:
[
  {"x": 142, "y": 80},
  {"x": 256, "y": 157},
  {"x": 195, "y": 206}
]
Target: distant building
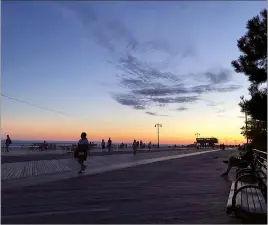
[{"x": 207, "y": 142}]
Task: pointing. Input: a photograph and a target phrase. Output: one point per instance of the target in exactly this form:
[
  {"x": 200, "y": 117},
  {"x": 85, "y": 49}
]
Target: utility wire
[
  {"x": 35, "y": 105},
  {"x": 56, "y": 111}
]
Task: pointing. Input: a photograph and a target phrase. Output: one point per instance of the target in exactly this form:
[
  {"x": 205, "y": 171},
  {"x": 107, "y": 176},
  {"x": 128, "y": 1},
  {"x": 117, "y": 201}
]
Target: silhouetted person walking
[
  {"x": 150, "y": 145},
  {"x": 134, "y": 146},
  {"x": 141, "y": 144},
  {"x": 109, "y": 144},
  {"x": 82, "y": 151},
  {"x": 102, "y": 144},
  {"x": 8, "y": 142}
]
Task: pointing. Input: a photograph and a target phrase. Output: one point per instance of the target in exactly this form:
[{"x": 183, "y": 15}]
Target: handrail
[
  {"x": 263, "y": 158},
  {"x": 265, "y": 166},
  {"x": 262, "y": 152}
]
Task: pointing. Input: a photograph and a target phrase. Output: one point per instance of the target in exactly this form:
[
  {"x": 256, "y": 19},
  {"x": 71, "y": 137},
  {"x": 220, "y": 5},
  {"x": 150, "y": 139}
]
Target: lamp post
[
  {"x": 246, "y": 118},
  {"x": 196, "y": 134},
  {"x": 226, "y": 141},
  {"x": 158, "y": 125}
]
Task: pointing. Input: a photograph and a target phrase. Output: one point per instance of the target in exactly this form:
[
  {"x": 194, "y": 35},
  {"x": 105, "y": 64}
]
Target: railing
[{"x": 261, "y": 157}]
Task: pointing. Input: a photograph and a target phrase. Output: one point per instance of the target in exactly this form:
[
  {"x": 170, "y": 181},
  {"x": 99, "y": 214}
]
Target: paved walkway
[
  {"x": 35, "y": 172},
  {"x": 187, "y": 190}
]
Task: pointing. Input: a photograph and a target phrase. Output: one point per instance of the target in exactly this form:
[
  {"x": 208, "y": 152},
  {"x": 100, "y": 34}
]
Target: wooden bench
[{"x": 247, "y": 198}]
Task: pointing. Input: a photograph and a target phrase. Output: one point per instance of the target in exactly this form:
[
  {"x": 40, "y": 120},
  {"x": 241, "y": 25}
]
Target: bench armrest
[
  {"x": 242, "y": 176},
  {"x": 240, "y": 189}
]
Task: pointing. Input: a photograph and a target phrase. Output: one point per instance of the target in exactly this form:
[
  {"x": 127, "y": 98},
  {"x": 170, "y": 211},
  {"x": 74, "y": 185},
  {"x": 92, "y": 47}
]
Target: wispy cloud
[
  {"x": 148, "y": 83},
  {"x": 182, "y": 109},
  {"x": 155, "y": 114},
  {"x": 220, "y": 111}
]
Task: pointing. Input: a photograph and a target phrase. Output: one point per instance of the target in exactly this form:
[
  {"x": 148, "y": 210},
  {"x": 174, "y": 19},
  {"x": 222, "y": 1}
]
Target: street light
[
  {"x": 158, "y": 125},
  {"x": 226, "y": 141},
  {"x": 246, "y": 118},
  {"x": 196, "y": 134}
]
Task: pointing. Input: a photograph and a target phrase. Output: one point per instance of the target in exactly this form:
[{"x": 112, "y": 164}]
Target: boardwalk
[
  {"x": 41, "y": 171},
  {"x": 25, "y": 155},
  {"x": 185, "y": 190}
]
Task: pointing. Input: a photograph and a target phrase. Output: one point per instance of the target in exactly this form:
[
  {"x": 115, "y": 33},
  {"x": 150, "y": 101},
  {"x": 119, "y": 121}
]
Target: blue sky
[{"x": 119, "y": 63}]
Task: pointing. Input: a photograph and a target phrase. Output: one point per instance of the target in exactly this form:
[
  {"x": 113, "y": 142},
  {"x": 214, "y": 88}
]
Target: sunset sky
[{"x": 116, "y": 69}]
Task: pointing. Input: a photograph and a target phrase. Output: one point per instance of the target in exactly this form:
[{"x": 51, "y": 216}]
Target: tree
[
  {"x": 253, "y": 45},
  {"x": 253, "y": 63},
  {"x": 256, "y": 132}
]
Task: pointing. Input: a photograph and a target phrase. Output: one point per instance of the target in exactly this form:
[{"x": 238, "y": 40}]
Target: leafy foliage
[
  {"x": 253, "y": 63},
  {"x": 253, "y": 45}
]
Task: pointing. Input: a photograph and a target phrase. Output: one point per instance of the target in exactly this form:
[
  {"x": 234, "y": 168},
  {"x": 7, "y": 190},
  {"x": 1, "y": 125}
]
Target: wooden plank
[
  {"x": 35, "y": 168},
  {"x": 57, "y": 165},
  {"x": 30, "y": 173},
  {"x": 229, "y": 202},
  {"x": 17, "y": 174},
  {"x": 257, "y": 205},
  {"x": 28, "y": 169},
  {"x": 6, "y": 171},
  {"x": 48, "y": 166},
  {"x": 262, "y": 203},
  {"x": 239, "y": 196},
  {"x": 250, "y": 206},
  {"x": 15, "y": 171},
  {"x": 40, "y": 169},
  {"x": 53, "y": 165},
  {"x": 20, "y": 172},
  {"x": 23, "y": 170},
  {"x": 11, "y": 171},
  {"x": 63, "y": 167},
  {"x": 45, "y": 168}
]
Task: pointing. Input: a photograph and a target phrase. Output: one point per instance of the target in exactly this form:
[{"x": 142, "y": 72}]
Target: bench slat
[
  {"x": 262, "y": 206},
  {"x": 249, "y": 197},
  {"x": 229, "y": 202}
]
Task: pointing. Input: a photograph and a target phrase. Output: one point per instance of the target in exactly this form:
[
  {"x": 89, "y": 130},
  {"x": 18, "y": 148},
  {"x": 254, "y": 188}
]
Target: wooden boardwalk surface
[
  {"x": 26, "y": 169},
  {"x": 187, "y": 190},
  {"x": 32, "y": 168}
]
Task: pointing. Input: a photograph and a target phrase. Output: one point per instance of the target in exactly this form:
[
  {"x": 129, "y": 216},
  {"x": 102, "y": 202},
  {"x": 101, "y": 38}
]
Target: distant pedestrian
[
  {"x": 134, "y": 146},
  {"x": 150, "y": 145},
  {"x": 109, "y": 144},
  {"x": 82, "y": 151},
  {"x": 45, "y": 145},
  {"x": 102, "y": 144},
  {"x": 8, "y": 142}
]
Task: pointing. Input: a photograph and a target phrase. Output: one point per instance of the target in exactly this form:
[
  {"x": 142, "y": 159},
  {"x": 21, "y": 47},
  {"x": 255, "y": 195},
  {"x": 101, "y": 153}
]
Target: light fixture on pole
[
  {"x": 158, "y": 125},
  {"x": 196, "y": 135}
]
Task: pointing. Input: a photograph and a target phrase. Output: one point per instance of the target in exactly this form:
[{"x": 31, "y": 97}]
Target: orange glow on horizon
[
  {"x": 93, "y": 136},
  {"x": 65, "y": 129}
]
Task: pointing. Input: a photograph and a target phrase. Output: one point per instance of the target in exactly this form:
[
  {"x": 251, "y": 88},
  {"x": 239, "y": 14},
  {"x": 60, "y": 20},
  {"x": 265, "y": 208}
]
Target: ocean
[{"x": 19, "y": 143}]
